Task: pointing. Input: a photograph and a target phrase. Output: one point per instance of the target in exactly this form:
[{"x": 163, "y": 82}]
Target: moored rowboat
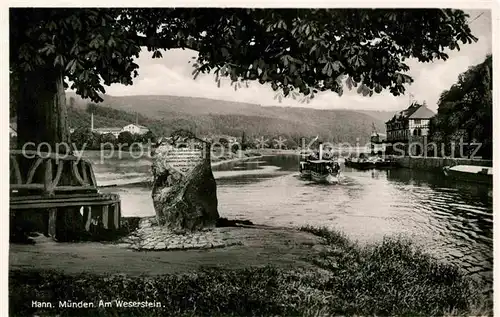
[
  {"x": 470, "y": 173},
  {"x": 361, "y": 164},
  {"x": 364, "y": 163}
]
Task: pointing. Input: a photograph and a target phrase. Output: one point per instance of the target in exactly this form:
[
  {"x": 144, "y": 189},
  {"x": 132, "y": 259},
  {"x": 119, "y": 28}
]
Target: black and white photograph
[{"x": 243, "y": 160}]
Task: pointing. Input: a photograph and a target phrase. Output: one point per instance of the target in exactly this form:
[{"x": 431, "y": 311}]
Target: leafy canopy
[
  {"x": 83, "y": 137},
  {"x": 295, "y": 50},
  {"x": 465, "y": 110},
  {"x": 125, "y": 137}
]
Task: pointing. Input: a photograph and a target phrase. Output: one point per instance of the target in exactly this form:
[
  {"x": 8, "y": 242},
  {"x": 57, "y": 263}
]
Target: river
[{"x": 452, "y": 221}]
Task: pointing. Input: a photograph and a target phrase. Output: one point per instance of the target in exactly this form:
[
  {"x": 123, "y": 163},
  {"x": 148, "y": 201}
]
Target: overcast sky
[{"x": 171, "y": 75}]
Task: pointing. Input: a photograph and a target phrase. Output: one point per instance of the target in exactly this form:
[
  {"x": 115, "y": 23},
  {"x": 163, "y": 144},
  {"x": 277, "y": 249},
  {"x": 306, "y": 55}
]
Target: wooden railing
[
  {"x": 52, "y": 183},
  {"x": 43, "y": 172}
]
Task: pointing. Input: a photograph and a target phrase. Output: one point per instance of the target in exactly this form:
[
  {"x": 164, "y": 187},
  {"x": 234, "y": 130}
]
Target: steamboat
[{"x": 320, "y": 168}]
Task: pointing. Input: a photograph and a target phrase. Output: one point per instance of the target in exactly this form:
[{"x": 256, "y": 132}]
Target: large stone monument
[{"x": 184, "y": 189}]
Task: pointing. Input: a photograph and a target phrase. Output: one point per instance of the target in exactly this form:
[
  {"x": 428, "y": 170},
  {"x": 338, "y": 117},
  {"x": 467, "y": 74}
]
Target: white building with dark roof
[
  {"x": 132, "y": 128},
  {"x": 419, "y": 120},
  {"x": 409, "y": 126},
  {"x": 135, "y": 129}
]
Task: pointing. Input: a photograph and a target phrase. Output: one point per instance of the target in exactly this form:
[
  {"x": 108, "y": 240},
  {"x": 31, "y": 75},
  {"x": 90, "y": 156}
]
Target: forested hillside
[
  {"x": 465, "y": 112},
  {"x": 164, "y": 114}
]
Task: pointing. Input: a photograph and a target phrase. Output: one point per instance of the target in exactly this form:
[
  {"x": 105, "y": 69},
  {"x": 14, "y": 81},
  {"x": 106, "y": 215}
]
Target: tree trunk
[
  {"x": 41, "y": 110},
  {"x": 42, "y": 119}
]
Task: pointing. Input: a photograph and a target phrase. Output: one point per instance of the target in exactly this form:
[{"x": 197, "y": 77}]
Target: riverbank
[
  {"x": 277, "y": 152},
  {"x": 274, "y": 271},
  {"x": 215, "y": 161},
  {"x": 437, "y": 163},
  {"x": 234, "y": 157}
]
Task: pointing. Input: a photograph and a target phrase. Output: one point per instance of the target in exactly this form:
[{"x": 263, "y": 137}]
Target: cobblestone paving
[{"x": 151, "y": 237}]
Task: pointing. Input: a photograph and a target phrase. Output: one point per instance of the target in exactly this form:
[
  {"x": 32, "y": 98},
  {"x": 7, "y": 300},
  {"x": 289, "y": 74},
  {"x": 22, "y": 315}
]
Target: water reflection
[
  {"x": 283, "y": 162},
  {"x": 451, "y": 220}
]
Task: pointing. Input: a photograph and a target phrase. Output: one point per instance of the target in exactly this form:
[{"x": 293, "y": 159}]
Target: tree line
[
  {"x": 83, "y": 137},
  {"x": 336, "y": 127},
  {"x": 251, "y": 143},
  {"x": 465, "y": 113}
]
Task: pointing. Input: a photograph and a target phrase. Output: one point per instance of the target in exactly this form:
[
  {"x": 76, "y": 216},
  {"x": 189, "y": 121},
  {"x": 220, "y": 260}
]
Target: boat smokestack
[{"x": 320, "y": 150}]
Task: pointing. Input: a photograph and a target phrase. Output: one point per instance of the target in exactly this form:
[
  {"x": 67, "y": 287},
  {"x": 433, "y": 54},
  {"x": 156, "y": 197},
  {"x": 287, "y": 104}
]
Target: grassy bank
[
  {"x": 394, "y": 277},
  {"x": 388, "y": 278}
]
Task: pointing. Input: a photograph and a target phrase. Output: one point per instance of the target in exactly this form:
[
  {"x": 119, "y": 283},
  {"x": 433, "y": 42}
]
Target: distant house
[
  {"x": 135, "y": 129},
  {"x": 132, "y": 128},
  {"x": 408, "y": 126},
  {"x": 377, "y": 142},
  {"x": 377, "y": 137}
]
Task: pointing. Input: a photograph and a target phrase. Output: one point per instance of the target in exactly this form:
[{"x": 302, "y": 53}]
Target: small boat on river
[
  {"x": 385, "y": 163},
  {"x": 359, "y": 163},
  {"x": 470, "y": 173},
  {"x": 320, "y": 167},
  {"x": 364, "y": 163},
  {"x": 325, "y": 171}
]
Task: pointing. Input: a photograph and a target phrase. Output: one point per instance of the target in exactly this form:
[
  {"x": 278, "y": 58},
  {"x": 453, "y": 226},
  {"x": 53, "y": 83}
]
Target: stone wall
[{"x": 431, "y": 163}]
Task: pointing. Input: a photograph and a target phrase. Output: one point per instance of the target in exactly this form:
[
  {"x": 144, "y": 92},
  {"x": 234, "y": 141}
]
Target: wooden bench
[{"x": 52, "y": 183}]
